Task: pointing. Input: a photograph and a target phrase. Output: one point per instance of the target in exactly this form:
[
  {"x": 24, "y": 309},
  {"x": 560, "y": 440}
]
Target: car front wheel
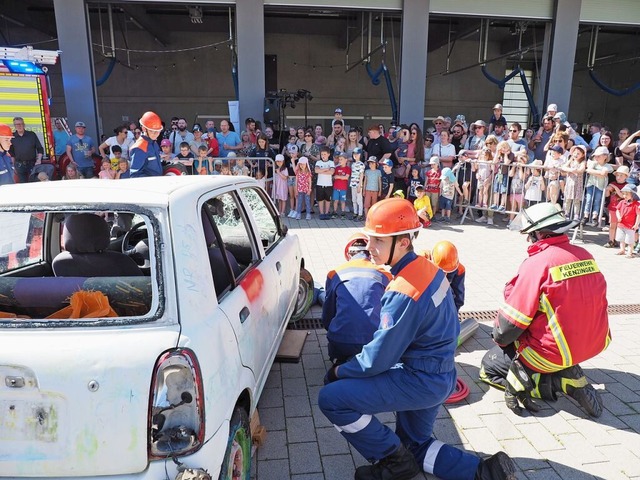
[
  {"x": 237, "y": 458},
  {"x": 304, "y": 297}
]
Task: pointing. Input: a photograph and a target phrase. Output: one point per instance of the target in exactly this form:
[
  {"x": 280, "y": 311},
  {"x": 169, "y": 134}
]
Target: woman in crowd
[
  {"x": 247, "y": 146},
  {"x": 121, "y": 139}
]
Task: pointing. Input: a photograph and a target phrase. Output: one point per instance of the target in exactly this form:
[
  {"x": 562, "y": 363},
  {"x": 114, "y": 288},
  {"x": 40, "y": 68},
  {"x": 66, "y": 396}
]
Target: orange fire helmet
[
  {"x": 357, "y": 243},
  {"x": 391, "y": 217},
  {"x": 5, "y": 130},
  {"x": 445, "y": 255},
  {"x": 151, "y": 121}
]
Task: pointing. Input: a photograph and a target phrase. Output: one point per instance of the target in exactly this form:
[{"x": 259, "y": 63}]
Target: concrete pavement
[{"x": 560, "y": 442}]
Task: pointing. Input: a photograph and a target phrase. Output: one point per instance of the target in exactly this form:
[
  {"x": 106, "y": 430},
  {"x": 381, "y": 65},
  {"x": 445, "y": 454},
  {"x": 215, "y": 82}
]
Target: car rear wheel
[
  {"x": 237, "y": 458},
  {"x": 304, "y": 298}
]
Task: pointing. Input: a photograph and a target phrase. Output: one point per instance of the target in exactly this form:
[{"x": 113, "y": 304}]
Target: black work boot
[
  {"x": 573, "y": 382},
  {"x": 400, "y": 465},
  {"x": 498, "y": 466}
]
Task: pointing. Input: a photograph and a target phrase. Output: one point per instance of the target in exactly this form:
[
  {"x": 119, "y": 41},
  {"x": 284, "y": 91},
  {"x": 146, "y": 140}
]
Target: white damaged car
[{"x": 139, "y": 320}]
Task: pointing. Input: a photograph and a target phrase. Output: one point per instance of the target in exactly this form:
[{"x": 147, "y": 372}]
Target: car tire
[
  {"x": 304, "y": 298},
  {"x": 237, "y": 458}
]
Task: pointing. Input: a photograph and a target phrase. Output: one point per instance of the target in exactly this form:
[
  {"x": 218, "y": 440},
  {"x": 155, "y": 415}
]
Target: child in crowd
[
  {"x": 422, "y": 205},
  {"x": 432, "y": 183},
  {"x": 535, "y": 185},
  {"x": 387, "y": 179},
  {"x": 217, "y": 167},
  {"x": 484, "y": 169},
  {"x": 225, "y": 170},
  {"x": 497, "y": 118},
  {"x": 202, "y": 164},
  {"x": 71, "y": 173},
  {"x": 116, "y": 150},
  {"x": 372, "y": 184},
  {"x": 628, "y": 213},
  {"x": 574, "y": 181},
  {"x": 341, "y": 177},
  {"x": 262, "y": 182},
  {"x": 106, "y": 173},
  {"x": 303, "y": 187},
  {"x": 614, "y": 192},
  {"x": 186, "y": 157},
  {"x": 290, "y": 159},
  {"x": 281, "y": 190},
  {"x": 403, "y": 138},
  {"x": 597, "y": 172},
  {"x": 166, "y": 155},
  {"x": 415, "y": 181},
  {"x": 448, "y": 188},
  {"x": 123, "y": 169},
  {"x": 552, "y": 166},
  {"x": 240, "y": 168},
  {"x": 325, "y": 169},
  {"x": 288, "y": 148},
  {"x": 516, "y": 189},
  {"x": 213, "y": 149},
  {"x": 356, "y": 184},
  {"x": 502, "y": 161}
]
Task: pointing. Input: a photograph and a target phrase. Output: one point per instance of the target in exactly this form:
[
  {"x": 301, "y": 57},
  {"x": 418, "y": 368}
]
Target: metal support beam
[
  {"x": 250, "y": 38},
  {"x": 413, "y": 62},
  {"x": 137, "y": 15},
  {"x": 78, "y": 76},
  {"x": 561, "y": 54}
]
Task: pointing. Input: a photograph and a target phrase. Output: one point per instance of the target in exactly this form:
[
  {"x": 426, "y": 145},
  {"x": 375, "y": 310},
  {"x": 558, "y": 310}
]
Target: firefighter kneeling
[{"x": 554, "y": 317}]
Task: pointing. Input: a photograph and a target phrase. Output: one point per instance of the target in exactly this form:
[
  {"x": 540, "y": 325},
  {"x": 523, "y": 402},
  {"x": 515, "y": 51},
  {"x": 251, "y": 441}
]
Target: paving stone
[
  {"x": 315, "y": 376},
  {"x": 543, "y": 474},
  {"x": 338, "y": 467},
  {"x": 502, "y": 427},
  {"x": 297, "y": 407},
  {"x": 294, "y": 387},
  {"x": 273, "y": 470},
  {"x": 304, "y": 458},
  {"x": 523, "y": 453},
  {"x": 621, "y": 458},
  {"x": 319, "y": 418},
  {"x": 274, "y": 380},
  {"x": 313, "y": 361},
  {"x": 445, "y": 431},
  {"x": 308, "y": 476},
  {"x": 274, "y": 447},
  {"x": 482, "y": 440},
  {"x": 292, "y": 370},
  {"x": 540, "y": 437},
  {"x": 301, "y": 429},
  {"x": 272, "y": 418},
  {"x": 331, "y": 442}
]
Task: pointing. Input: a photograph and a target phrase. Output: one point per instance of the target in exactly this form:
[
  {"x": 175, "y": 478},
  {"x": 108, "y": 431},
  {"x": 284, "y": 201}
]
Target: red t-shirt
[
  {"x": 614, "y": 199},
  {"x": 214, "y": 146},
  {"x": 628, "y": 213},
  {"x": 341, "y": 184},
  {"x": 433, "y": 181}
]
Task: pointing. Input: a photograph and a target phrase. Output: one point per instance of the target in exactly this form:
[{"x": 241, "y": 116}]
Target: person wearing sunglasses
[{"x": 80, "y": 149}]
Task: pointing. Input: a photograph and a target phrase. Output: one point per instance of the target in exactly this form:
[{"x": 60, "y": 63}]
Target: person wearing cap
[
  {"x": 387, "y": 178},
  {"x": 145, "y": 153},
  {"x": 337, "y": 116},
  {"x": 7, "y": 174},
  {"x": 198, "y": 139},
  {"x": 179, "y": 135},
  {"x": 80, "y": 149},
  {"x": 614, "y": 193},
  {"x": 438, "y": 123},
  {"x": 628, "y": 215},
  {"x": 26, "y": 150},
  {"x": 497, "y": 119},
  {"x": 408, "y": 367},
  {"x": 166, "y": 155},
  {"x": 448, "y": 188},
  {"x": 557, "y": 296},
  {"x": 356, "y": 183},
  {"x": 552, "y": 109},
  {"x": 632, "y": 148},
  {"x": 351, "y": 309},
  {"x": 597, "y": 171},
  {"x": 475, "y": 142}
]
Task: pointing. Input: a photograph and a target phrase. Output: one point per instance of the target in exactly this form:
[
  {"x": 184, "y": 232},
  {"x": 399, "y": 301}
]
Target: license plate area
[{"x": 30, "y": 418}]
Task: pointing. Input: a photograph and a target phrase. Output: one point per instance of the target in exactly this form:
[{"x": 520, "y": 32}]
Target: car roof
[{"x": 151, "y": 191}]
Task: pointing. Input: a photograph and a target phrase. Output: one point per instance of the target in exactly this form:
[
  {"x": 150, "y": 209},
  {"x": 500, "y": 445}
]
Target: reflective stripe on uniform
[
  {"x": 356, "y": 426},
  {"x": 556, "y": 330},
  {"x": 441, "y": 293},
  {"x": 522, "y": 321},
  {"x": 515, "y": 382},
  {"x": 539, "y": 363},
  {"x": 430, "y": 458},
  {"x": 573, "y": 269}
]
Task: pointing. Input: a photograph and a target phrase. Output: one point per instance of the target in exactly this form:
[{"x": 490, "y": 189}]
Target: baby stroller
[{"x": 47, "y": 168}]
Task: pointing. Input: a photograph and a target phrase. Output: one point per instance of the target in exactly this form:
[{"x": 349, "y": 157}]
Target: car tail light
[{"x": 176, "y": 405}]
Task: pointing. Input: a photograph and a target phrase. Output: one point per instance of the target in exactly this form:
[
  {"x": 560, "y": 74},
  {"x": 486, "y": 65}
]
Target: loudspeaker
[{"x": 271, "y": 110}]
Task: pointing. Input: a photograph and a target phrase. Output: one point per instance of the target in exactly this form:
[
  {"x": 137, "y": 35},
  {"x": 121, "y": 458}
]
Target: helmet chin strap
[{"x": 392, "y": 251}]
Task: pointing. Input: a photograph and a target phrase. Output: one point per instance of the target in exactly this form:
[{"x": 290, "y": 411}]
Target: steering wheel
[{"x": 135, "y": 243}]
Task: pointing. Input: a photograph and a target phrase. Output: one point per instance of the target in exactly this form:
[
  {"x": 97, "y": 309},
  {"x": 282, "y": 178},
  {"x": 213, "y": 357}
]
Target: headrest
[{"x": 85, "y": 233}]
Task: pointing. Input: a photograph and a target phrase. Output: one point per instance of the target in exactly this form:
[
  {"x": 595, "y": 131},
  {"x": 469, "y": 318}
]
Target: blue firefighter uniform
[
  {"x": 409, "y": 368},
  {"x": 145, "y": 158},
  {"x": 351, "y": 310},
  {"x": 456, "y": 280},
  {"x": 6, "y": 169}
]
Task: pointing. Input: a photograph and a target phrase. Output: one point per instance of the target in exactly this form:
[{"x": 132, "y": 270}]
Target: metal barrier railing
[{"x": 260, "y": 168}]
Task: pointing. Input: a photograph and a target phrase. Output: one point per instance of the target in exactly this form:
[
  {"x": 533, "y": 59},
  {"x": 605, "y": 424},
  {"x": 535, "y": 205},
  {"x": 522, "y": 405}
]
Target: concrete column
[
  {"x": 561, "y": 53},
  {"x": 78, "y": 77},
  {"x": 413, "y": 62},
  {"x": 250, "y": 38}
]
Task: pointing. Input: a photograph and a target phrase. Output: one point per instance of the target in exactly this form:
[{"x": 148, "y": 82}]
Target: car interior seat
[{"x": 85, "y": 239}]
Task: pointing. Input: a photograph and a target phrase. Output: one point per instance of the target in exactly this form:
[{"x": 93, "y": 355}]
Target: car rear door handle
[
  {"x": 244, "y": 314},
  {"x": 278, "y": 266}
]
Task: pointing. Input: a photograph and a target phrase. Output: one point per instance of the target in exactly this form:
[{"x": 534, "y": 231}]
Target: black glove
[
  {"x": 518, "y": 386},
  {"x": 331, "y": 376}
]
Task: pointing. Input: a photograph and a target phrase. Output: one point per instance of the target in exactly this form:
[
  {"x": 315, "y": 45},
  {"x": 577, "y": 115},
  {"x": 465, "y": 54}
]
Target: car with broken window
[{"x": 139, "y": 320}]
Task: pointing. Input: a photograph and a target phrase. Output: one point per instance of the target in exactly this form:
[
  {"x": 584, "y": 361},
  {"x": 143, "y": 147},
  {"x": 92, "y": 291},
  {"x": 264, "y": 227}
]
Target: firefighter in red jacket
[{"x": 554, "y": 316}]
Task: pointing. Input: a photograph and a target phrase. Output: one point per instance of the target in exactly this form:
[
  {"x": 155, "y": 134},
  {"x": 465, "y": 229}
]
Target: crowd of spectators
[{"x": 493, "y": 167}]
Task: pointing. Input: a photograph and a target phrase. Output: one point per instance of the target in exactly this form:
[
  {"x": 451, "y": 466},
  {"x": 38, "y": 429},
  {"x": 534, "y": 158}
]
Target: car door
[{"x": 245, "y": 285}]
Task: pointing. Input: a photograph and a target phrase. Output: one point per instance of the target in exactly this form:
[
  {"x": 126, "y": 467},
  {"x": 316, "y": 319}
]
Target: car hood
[{"x": 74, "y": 402}]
